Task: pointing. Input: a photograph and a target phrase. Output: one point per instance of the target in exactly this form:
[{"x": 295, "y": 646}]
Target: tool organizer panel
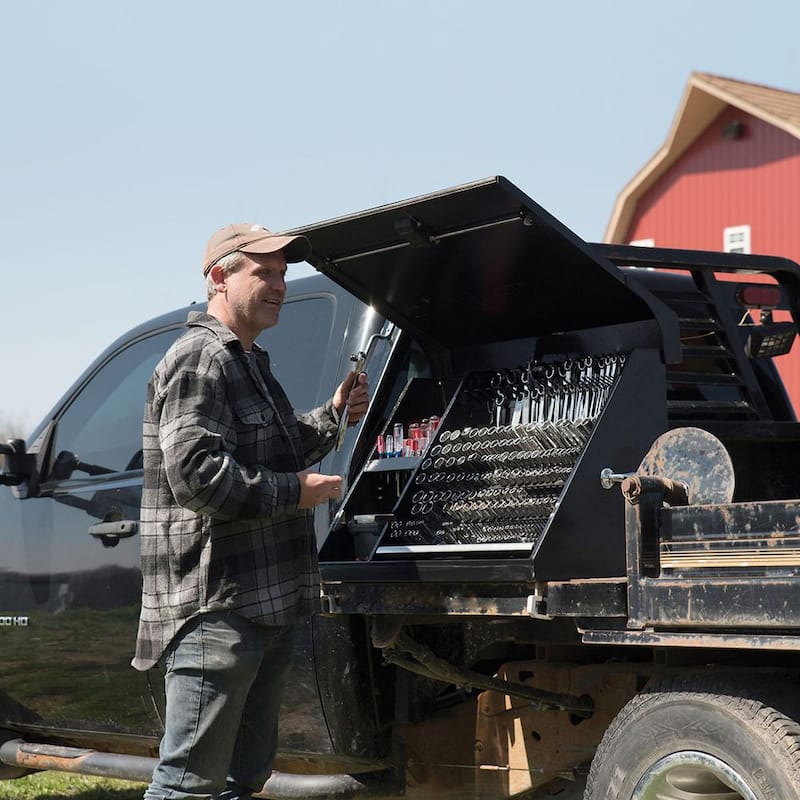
[{"x": 488, "y": 475}]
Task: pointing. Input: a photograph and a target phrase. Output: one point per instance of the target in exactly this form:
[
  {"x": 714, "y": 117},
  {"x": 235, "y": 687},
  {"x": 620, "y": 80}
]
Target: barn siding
[{"x": 717, "y": 183}]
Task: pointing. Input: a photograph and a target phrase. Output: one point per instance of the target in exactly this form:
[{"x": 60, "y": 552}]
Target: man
[{"x": 229, "y": 558}]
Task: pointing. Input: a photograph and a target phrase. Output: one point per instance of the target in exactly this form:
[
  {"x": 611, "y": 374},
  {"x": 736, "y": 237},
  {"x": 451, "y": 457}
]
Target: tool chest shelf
[{"x": 394, "y": 464}]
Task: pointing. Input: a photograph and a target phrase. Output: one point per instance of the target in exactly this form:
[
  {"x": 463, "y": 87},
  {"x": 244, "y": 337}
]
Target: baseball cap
[{"x": 249, "y": 238}]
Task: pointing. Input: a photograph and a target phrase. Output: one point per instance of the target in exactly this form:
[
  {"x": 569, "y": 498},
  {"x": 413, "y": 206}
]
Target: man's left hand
[{"x": 353, "y": 391}]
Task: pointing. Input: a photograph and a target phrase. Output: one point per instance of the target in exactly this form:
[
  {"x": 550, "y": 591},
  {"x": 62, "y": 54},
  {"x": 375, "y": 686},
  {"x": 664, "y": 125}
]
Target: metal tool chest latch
[{"x": 536, "y": 607}]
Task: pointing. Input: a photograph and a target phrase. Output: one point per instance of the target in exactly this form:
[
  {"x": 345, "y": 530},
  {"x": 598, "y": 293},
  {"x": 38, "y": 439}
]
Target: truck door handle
[{"x": 121, "y": 529}]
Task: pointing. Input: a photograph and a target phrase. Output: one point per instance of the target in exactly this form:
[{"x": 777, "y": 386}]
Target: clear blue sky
[{"x": 131, "y": 130}]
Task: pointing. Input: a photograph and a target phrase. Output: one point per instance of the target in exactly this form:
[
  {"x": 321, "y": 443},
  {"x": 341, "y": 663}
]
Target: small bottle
[
  {"x": 389, "y": 444},
  {"x": 380, "y": 447}
]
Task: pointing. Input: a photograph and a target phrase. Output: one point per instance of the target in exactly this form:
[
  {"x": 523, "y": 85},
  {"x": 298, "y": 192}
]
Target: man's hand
[
  {"x": 353, "y": 391},
  {"x": 316, "y": 489}
]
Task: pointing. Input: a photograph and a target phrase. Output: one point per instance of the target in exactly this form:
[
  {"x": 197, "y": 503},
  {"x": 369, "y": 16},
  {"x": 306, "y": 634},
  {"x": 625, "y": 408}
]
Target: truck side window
[
  {"x": 102, "y": 426},
  {"x": 297, "y": 346}
]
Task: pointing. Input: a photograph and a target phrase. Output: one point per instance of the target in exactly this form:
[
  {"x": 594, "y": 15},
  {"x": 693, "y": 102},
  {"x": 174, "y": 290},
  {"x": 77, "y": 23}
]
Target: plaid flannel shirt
[{"x": 220, "y": 527}]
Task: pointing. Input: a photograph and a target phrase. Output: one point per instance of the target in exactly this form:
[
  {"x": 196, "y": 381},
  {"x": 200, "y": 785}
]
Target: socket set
[{"x": 499, "y": 483}]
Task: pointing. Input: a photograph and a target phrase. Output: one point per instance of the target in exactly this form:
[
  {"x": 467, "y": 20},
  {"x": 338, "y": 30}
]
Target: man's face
[{"x": 255, "y": 292}]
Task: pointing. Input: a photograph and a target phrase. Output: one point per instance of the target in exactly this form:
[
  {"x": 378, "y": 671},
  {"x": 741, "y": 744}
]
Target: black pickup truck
[{"x": 567, "y": 560}]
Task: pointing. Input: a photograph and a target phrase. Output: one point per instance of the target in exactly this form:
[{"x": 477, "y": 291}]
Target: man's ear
[{"x": 217, "y": 275}]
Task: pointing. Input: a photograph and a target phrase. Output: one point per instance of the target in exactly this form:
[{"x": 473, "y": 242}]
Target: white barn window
[
  {"x": 736, "y": 239},
  {"x": 643, "y": 242}
]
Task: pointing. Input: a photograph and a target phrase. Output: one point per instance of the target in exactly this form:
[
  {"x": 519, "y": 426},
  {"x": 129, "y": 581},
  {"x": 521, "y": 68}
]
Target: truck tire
[{"x": 703, "y": 737}]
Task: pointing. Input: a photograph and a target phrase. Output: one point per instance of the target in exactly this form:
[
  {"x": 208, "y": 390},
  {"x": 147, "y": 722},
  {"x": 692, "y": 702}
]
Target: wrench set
[
  {"x": 555, "y": 392},
  {"x": 500, "y": 482}
]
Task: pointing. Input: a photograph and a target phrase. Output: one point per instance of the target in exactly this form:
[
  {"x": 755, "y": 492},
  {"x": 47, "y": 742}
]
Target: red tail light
[{"x": 759, "y": 296}]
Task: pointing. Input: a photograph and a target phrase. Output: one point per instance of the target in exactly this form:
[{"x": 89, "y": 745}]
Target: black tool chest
[
  {"x": 541, "y": 354},
  {"x": 513, "y": 449}
]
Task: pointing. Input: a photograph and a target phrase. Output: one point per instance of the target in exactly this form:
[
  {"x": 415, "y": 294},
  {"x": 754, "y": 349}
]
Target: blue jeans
[{"x": 224, "y": 677}]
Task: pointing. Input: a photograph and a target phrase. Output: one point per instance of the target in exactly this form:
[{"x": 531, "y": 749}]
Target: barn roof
[{"x": 704, "y": 98}]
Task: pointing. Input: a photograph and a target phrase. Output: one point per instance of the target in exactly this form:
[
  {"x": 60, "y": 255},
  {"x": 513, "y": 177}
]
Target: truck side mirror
[{"x": 19, "y": 466}]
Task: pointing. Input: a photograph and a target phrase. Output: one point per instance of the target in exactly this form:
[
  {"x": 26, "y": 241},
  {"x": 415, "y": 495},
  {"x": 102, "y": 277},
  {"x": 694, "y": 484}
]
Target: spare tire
[{"x": 706, "y": 737}]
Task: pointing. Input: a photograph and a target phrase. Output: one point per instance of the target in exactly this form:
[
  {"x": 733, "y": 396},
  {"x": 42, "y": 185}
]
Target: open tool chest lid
[{"x": 475, "y": 264}]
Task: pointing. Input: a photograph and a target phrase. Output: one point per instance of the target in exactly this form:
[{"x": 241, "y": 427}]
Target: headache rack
[{"x": 715, "y": 380}]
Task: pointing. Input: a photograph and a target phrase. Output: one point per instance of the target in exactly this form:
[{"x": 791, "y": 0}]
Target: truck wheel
[{"x": 702, "y": 738}]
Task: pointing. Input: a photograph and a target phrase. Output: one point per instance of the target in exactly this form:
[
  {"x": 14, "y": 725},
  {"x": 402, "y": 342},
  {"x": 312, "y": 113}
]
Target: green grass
[{"x": 60, "y": 786}]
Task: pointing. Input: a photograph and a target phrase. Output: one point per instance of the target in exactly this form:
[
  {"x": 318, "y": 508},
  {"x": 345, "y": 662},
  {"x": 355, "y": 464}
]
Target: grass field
[{"x": 60, "y": 786}]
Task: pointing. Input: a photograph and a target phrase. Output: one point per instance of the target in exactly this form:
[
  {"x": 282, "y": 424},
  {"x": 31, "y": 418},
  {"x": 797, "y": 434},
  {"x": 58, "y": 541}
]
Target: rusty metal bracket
[
  {"x": 537, "y": 606},
  {"x": 675, "y": 493},
  {"x": 330, "y": 603}
]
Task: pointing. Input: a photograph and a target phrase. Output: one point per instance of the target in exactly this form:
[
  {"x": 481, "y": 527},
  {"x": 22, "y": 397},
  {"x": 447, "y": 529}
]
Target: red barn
[{"x": 726, "y": 178}]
